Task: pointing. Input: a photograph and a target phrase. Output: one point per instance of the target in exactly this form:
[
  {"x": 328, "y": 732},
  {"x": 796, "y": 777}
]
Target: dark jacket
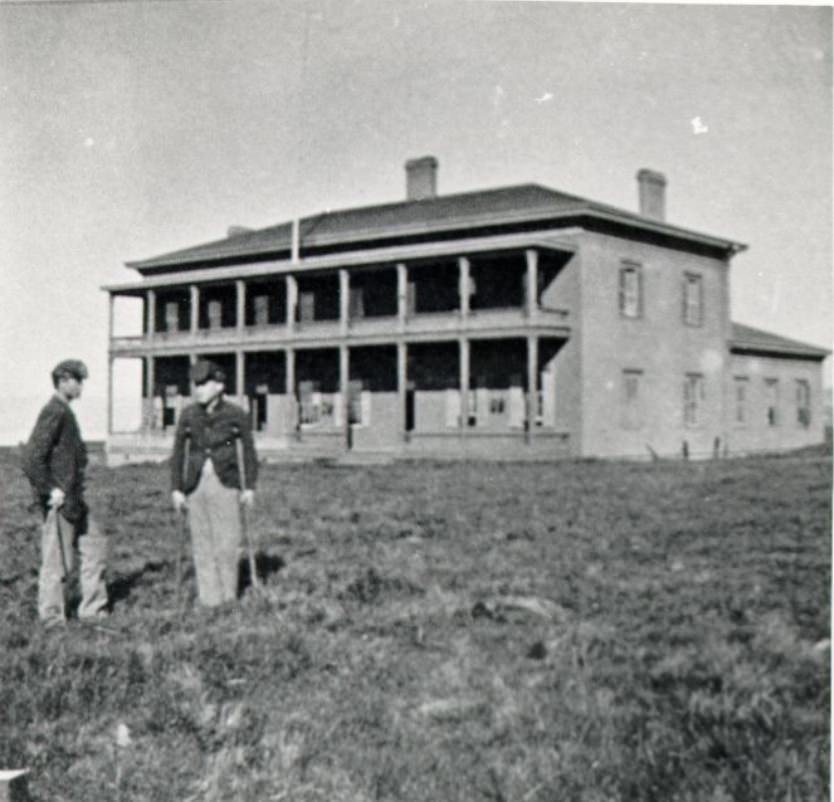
[
  {"x": 56, "y": 456},
  {"x": 213, "y": 434}
]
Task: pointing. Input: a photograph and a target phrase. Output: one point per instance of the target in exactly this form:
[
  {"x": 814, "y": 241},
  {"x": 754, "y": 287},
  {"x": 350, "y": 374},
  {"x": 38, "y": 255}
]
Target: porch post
[
  {"x": 344, "y": 301},
  {"x": 195, "y": 309},
  {"x": 344, "y": 379},
  {"x": 292, "y": 300},
  {"x": 239, "y": 377},
  {"x": 402, "y": 295},
  {"x": 402, "y": 383},
  {"x": 532, "y": 385},
  {"x": 240, "y": 317},
  {"x": 463, "y": 345},
  {"x": 110, "y": 392},
  {"x": 532, "y": 300},
  {"x": 150, "y": 313},
  {"x": 464, "y": 287},
  {"x": 151, "y": 388},
  {"x": 289, "y": 388}
]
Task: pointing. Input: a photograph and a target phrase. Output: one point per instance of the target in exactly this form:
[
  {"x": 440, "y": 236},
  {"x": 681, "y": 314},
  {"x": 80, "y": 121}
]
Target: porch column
[
  {"x": 402, "y": 295},
  {"x": 289, "y": 388},
  {"x": 292, "y": 300},
  {"x": 111, "y": 298},
  {"x": 463, "y": 345},
  {"x": 240, "y": 318},
  {"x": 344, "y": 301},
  {"x": 532, "y": 301},
  {"x": 532, "y": 385},
  {"x": 195, "y": 309},
  {"x": 150, "y": 313},
  {"x": 192, "y": 360},
  {"x": 239, "y": 377},
  {"x": 402, "y": 383},
  {"x": 151, "y": 382},
  {"x": 464, "y": 287},
  {"x": 344, "y": 379},
  {"x": 110, "y": 388}
]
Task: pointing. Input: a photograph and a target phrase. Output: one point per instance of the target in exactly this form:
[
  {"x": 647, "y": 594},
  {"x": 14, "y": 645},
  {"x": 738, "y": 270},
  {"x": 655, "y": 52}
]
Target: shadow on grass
[
  {"x": 119, "y": 589},
  {"x": 265, "y": 566}
]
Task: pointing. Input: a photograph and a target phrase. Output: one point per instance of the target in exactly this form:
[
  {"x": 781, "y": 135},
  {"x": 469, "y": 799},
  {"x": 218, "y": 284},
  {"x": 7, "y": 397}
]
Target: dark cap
[
  {"x": 203, "y": 371},
  {"x": 74, "y": 368}
]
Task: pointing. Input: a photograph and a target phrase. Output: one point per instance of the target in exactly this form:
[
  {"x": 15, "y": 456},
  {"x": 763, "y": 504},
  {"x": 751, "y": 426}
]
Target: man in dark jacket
[
  {"x": 205, "y": 479},
  {"x": 54, "y": 462}
]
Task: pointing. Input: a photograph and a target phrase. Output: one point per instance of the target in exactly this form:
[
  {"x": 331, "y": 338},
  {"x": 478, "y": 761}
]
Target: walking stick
[
  {"x": 181, "y": 519},
  {"x": 241, "y": 470}
]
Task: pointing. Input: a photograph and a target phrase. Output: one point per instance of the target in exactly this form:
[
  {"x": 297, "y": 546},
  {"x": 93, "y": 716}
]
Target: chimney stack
[
  {"x": 421, "y": 178},
  {"x": 652, "y": 191}
]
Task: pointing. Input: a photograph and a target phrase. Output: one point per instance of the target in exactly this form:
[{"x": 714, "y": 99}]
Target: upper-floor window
[
  {"x": 306, "y": 307},
  {"x": 631, "y": 405},
  {"x": 693, "y": 399},
  {"x": 261, "y": 304},
  {"x": 803, "y": 402},
  {"x": 631, "y": 290},
  {"x": 215, "y": 314},
  {"x": 172, "y": 316},
  {"x": 740, "y": 385},
  {"x": 693, "y": 299},
  {"x": 772, "y": 401}
]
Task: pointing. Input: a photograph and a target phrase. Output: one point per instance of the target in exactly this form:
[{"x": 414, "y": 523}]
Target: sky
[{"x": 130, "y": 129}]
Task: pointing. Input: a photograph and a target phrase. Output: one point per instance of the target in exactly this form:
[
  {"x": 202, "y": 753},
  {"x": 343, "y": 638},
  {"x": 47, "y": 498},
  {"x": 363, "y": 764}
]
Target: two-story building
[{"x": 518, "y": 322}]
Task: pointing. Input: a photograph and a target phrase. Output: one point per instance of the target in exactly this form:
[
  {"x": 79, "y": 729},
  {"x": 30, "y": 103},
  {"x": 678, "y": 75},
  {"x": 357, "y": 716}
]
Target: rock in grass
[{"x": 450, "y": 709}]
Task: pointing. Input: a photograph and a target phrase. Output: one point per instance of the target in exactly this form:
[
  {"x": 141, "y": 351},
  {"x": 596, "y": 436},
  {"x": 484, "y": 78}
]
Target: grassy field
[{"x": 578, "y": 631}]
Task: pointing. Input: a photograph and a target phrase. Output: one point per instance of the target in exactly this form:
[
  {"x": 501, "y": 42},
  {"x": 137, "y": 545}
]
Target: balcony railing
[{"x": 452, "y": 321}]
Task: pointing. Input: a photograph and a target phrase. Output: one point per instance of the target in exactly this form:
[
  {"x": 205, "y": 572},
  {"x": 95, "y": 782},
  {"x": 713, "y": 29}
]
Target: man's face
[
  {"x": 69, "y": 387},
  {"x": 208, "y": 391}
]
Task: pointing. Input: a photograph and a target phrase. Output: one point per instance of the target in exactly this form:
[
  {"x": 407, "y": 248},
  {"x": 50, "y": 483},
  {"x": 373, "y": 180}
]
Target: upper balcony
[{"x": 489, "y": 295}]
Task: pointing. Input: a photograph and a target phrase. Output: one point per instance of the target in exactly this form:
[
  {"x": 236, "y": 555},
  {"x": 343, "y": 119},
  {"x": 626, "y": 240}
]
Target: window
[
  {"x": 631, "y": 291},
  {"x": 306, "y": 307},
  {"x": 693, "y": 300},
  {"x": 772, "y": 401},
  {"x": 693, "y": 398},
  {"x": 356, "y": 303},
  {"x": 740, "y": 385},
  {"x": 215, "y": 314},
  {"x": 803, "y": 402},
  {"x": 261, "y": 303},
  {"x": 631, "y": 414},
  {"x": 172, "y": 316}
]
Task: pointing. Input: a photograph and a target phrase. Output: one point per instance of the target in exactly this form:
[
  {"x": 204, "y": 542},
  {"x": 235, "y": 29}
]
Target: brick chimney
[
  {"x": 421, "y": 178},
  {"x": 652, "y": 190}
]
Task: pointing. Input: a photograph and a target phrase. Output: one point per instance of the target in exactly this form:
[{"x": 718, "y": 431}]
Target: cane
[
  {"x": 181, "y": 518},
  {"x": 241, "y": 470}
]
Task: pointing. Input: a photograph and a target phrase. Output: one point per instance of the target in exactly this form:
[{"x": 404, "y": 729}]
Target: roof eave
[{"x": 481, "y": 220}]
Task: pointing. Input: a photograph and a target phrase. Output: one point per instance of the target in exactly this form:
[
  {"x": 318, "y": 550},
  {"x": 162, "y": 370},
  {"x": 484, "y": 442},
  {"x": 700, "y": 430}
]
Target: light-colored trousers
[
  {"x": 216, "y": 535},
  {"x": 92, "y": 559}
]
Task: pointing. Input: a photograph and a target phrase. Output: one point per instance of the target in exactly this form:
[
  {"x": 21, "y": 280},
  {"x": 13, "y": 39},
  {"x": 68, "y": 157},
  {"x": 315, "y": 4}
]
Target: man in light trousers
[
  {"x": 206, "y": 480},
  {"x": 54, "y": 460}
]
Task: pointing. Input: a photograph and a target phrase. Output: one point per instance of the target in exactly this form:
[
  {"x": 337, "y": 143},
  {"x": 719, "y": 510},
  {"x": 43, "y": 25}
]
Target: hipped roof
[{"x": 431, "y": 216}]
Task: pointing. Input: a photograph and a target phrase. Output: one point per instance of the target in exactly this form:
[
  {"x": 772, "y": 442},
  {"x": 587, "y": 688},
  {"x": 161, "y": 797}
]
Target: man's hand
[
  {"x": 178, "y": 499},
  {"x": 56, "y": 498},
  {"x": 247, "y": 498}
]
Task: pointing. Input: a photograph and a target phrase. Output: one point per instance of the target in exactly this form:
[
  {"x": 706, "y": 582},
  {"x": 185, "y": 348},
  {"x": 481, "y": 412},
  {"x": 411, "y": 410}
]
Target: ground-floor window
[
  {"x": 740, "y": 385},
  {"x": 315, "y": 407},
  {"x": 631, "y": 404},
  {"x": 803, "y": 402},
  {"x": 772, "y": 401},
  {"x": 693, "y": 399}
]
